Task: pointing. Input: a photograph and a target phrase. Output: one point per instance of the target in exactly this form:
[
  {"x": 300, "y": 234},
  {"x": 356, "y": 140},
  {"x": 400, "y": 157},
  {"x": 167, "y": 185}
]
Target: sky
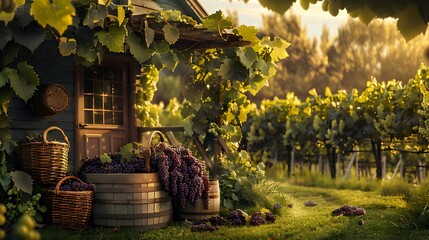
[{"x": 250, "y": 14}]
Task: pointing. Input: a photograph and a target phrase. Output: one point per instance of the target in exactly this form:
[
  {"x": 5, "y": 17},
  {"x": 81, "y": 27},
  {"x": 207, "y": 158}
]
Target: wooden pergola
[{"x": 191, "y": 37}]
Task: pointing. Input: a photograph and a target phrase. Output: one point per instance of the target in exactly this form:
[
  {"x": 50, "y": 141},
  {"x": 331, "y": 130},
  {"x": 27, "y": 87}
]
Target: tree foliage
[
  {"x": 412, "y": 16},
  {"x": 341, "y": 61}
]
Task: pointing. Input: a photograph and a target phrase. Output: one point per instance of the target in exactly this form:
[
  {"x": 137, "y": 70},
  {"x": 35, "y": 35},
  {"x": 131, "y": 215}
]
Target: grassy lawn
[{"x": 386, "y": 218}]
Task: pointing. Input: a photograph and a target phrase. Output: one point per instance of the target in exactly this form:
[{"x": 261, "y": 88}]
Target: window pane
[
  {"x": 88, "y": 117},
  {"x": 88, "y": 102},
  {"x": 117, "y": 103},
  {"x": 107, "y": 103},
  {"x": 88, "y": 88},
  {"x": 108, "y": 118},
  {"x": 117, "y": 118},
  {"x": 98, "y": 87},
  {"x": 98, "y": 117},
  {"x": 98, "y": 102},
  {"x": 107, "y": 87},
  {"x": 117, "y": 89}
]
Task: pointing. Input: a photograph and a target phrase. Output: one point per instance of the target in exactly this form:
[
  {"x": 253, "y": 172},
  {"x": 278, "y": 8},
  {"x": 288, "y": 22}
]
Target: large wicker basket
[
  {"x": 46, "y": 161},
  {"x": 69, "y": 209}
]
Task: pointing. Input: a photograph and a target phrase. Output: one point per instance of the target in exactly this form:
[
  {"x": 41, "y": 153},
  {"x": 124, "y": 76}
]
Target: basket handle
[
  {"x": 146, "y": 143},
  {"x": 45, "y": 133},
  {"x": 147, "y": 138},
  {"x": 57, "y": 188}
]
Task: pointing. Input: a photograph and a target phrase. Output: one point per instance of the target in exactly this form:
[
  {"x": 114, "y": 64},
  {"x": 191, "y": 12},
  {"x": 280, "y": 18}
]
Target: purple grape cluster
[
  {"x": 217, "y": 221},
  {"x": 29, "y": 139},
  {"x": 94, "y": 165},
  {"x": 270, "y": 217},
  {"x": 349, "y": 211},
  {"x": 181, "y": 174},
  {"x": 257, "y": 219},
  {"x": 310, "y": 204},
  {"x": 203, "y": 227},
  {"x": 77, "y": 186},
  {"x": 237, "y": 218}
]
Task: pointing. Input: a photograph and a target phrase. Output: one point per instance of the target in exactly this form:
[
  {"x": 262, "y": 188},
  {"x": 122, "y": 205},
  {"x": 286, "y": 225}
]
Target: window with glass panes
[{"x": 103, "y": 96}]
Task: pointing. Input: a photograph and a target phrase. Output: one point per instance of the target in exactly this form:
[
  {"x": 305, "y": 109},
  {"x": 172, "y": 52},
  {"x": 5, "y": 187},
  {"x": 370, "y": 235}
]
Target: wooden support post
[
  {"x": 357, "y": 162},
  {"x": 350, "y": 165},
  {"x": 384, "y": 166},
  {"x": 398, "y": 166}
]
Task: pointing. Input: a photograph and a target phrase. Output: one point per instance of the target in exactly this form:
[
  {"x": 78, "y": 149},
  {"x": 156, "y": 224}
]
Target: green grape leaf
[
  {"x": 171, "y": 33},
  {"x": 5, "y": 180},
  {"x": 113, "y": 38},
  {"x": 138, "y": 48},
  {"x": 95, "y": 16},
  {"x": 56, "y": 13},
  {"x": 172, "y": 15},
  {"x": 4, "y": 77},
  {"x": 277, "y": 6},
  {"x": 105, "y": 158},
  {"x": 157, "y": 61},
  {"x": 216, "y": 22},
  {"x": 30, "y": 37},
  {"x": 125, "y": 152},
  {"x": 279, "y": 48},
  {"x": 22, "y": 181},
  {"x": 410, "y": 23},
  {"x": 149, "y": 34},
  {"x": 121, "y": 14},
  {"x": 188, "y": 128},
  {"x": 232, "y": 70},
  {"x": 248, "y": 33},
  {"x": 85, "y": 44},
  {"x": 8, "y": 55},
  {"x": 247, "y": 56},
  {"x": 5, "y": 36},
  {"x": 170, "y": 60},
  {"x": 67, "y": 46},
  {"x": 162, "y": 47},
  {"x": 262, "y": 66},
  {"x": 22, "y": 14},
  {"x": 9, "y": 146},
  {"x": 5, "y": 98},
  {"x": 24, "y": 81}
]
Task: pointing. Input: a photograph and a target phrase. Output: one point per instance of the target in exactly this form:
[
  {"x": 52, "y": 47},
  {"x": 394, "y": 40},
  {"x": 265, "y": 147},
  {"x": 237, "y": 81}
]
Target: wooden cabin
[{"x": 100, "y": 116}]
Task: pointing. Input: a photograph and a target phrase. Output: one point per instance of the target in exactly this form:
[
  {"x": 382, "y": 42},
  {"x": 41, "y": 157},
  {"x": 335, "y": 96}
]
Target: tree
[
  {"x": 413, "y": 16},
  {"x": 377, "y": 50},
  {"x": 296, "y": 73}
]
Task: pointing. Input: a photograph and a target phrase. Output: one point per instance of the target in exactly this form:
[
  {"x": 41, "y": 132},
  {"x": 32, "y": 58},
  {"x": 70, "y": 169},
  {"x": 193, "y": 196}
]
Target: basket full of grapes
[
  {"x": 45, "y": 160},
  {"x": 70, "y": 203}
]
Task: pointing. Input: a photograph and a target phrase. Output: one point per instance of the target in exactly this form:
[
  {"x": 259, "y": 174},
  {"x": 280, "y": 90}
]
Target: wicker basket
[
  {"x": 69, "y": 209},
  {"x": 46, "y": 161}
]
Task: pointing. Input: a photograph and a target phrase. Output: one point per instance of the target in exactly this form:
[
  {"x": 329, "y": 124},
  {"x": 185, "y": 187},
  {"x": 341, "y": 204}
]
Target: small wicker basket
[
  {"x": 46, "y": 161},
  {"x": 69, "y": 209}
]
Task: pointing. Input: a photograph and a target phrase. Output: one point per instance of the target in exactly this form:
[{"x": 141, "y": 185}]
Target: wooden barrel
[
  {"x": 192, "y": 212},
  {"x": 130, "y": 200}
]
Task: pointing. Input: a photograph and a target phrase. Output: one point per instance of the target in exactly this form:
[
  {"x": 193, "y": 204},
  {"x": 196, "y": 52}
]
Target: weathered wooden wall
[{"x": 51, "y": 68}]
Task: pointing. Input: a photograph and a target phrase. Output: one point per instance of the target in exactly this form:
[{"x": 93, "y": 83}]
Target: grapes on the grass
[{"x": 349, "y": 211}]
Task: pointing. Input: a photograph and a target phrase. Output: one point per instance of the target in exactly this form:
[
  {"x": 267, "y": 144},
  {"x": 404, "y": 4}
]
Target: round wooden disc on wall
[{"x": 51, "y": 99}]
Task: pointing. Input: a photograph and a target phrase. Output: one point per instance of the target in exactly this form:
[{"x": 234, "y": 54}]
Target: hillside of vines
[{"x": 387, "y": 119}]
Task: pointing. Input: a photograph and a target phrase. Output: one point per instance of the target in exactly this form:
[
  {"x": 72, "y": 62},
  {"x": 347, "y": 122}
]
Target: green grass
[{"x": 386, "y": 218}]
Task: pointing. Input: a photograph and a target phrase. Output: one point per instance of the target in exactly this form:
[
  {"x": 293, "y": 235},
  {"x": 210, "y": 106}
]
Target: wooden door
[{"x": 104, "y": 109}]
